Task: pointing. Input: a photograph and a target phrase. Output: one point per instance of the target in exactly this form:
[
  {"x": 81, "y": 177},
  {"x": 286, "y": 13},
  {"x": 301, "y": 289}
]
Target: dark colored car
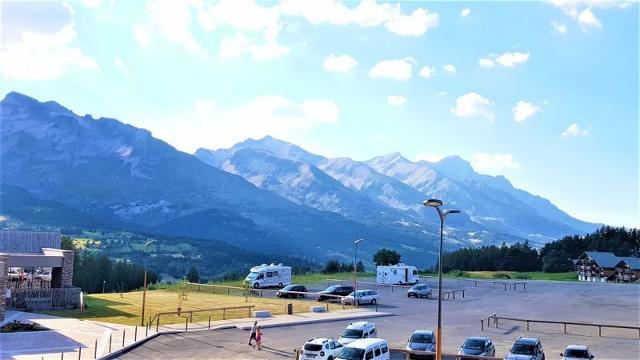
[
  {"x": 340, "y": 290},
  {"x": 526, "y": 349},
  {"x": 290, "y": 292},
  {"x": 478, "y": 346}
]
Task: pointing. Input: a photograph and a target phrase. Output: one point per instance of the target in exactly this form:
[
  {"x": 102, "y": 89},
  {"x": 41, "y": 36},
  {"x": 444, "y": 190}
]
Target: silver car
[
  {"x": 478, "y": 346},
  {"x": 419, "y": 291},
  {"x": 422, "y": 340}
]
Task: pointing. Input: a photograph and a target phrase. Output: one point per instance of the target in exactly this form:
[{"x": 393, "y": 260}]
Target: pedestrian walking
[
  {"x": 259, "y": 337},
  {"x": 253, "y": 333}
]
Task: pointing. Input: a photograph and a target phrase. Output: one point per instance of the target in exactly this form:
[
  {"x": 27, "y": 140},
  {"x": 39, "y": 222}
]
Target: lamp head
[
  {"x": 358, "y": 241},
  {"x": 432, "y": 203}
]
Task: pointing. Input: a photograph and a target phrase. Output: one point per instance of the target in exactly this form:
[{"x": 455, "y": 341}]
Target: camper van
[
  {"x": 268, "y": 275},
  {"x": 397, "y": 274}
]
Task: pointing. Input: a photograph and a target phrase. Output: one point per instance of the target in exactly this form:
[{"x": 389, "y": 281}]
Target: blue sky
[{"x": 545, "y": 93}]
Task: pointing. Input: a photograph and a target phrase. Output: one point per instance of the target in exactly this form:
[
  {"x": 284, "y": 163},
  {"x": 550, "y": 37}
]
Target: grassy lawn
[
  {"x": 125, "y": 308},
  {"x": 497, "y": 275}
]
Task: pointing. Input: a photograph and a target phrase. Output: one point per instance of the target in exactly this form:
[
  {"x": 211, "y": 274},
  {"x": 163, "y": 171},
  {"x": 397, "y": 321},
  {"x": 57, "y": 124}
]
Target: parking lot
[{"x": 542, "y": 300}]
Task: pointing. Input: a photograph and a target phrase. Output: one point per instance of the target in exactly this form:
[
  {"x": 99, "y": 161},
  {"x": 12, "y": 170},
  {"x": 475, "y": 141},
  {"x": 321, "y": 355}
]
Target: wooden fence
[
  {"x": 45, "y": 299},
  {"x": 496, "y": 319}
]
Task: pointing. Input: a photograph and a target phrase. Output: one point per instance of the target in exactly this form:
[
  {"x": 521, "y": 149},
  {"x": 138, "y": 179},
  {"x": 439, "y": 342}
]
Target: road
[{"x": 544, "y": 300}]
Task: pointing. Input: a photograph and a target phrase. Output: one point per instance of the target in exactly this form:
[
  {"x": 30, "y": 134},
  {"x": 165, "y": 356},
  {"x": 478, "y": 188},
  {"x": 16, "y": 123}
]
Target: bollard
[
  {"x": 565, "y": 331},
  {"x": 209, "y": 322},
  {"x": 146, "y": 330},
  {"x": 524, "y": 285},
  {"x": 565, "y": 327},
  {"x": 157, "y": 323},
  {"x": 95, "y": 350},
  {"x": 462, "y": 293},
  {"x": 124, "y": 334},
  {"x": 61, "y": 355},
  {"x": 327, "y": 303},
  {"x": 482, "y": 325},
  {"x": 110, "y": 338},
  {"x": 599, "y": 330},
  {"x": 135, "y": 334},
  {"x": 186, "y": 324},
  {"x": 224, "y": 314},
  {"x": 79, "y": 353}
]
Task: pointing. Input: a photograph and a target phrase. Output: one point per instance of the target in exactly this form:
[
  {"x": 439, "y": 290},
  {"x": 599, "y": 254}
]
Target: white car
[
  {"x": 576, "y": 352},
  {"x": 362, "y": 297},
  {"x": 320, "y": 349},
  {"x": 357, "y": 330}
]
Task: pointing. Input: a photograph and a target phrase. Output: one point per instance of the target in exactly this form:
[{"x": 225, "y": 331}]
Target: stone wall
[
  {"x": 62, "y": 276},
  {"x": 4, "y": 281}
]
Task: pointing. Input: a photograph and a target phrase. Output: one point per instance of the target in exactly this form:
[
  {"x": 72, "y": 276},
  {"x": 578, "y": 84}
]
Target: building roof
[
  {"x": 13, "y": 241},
  {"x": 633, "y": 262},
  {"x": 604, "y": 259}
]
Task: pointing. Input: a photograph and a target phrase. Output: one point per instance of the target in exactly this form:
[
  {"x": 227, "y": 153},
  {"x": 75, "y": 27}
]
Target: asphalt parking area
[{"x": 544, "y": 300}]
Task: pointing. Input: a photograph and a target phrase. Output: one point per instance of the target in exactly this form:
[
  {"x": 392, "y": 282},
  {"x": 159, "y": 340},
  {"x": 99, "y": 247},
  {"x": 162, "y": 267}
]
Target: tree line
[
  {"x": 334, "y": 266},
  {"x": 95, "y": 273},
  {"x": 552, "y": 257}
]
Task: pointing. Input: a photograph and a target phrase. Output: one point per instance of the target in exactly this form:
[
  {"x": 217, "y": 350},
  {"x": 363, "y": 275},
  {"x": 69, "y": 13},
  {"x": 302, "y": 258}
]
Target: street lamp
[
  {"x": 144, "y": 286},
  {"x": 442, "y": 214},
  {"x": 355, "y": 269}
]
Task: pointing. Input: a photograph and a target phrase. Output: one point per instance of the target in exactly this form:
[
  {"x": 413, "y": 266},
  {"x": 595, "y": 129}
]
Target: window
[
  {"x": 415, "y": 272},
  {"x": 269, "y": 274},
  {"x": 384, "y": 348},
  {"x": 369, "y": 354},
  {"x": 377, "y": 351},
  {"x": 275, "y": 273}
]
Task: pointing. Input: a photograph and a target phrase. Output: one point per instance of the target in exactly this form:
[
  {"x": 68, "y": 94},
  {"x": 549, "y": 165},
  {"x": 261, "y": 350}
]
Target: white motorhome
[
  {"x": 268, "y": 275},
  {"x": 397, "y": 274}
]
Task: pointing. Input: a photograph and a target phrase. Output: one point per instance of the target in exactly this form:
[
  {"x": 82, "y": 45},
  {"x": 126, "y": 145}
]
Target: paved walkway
[{"x": 68, "y": 335}]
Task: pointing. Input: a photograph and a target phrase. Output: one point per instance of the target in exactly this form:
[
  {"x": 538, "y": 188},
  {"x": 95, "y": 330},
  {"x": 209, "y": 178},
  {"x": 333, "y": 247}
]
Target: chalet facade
[
  {"x": 597, "y": 266},
  {"x": 35, "y": 273}
]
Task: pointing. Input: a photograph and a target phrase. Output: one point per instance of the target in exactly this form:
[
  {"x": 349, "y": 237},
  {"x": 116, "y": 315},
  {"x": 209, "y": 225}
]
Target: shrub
[
  {"x": 16, "y": 326},
  {"x": 501, "y": 276}
]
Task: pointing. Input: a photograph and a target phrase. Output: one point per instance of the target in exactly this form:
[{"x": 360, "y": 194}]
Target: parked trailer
[
  {"x": 397, "y": 274},
  {"x": 268, "y": 275}
]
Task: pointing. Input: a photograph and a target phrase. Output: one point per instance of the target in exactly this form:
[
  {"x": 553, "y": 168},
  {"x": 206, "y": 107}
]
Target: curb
[{"x": 115, "y": 354}]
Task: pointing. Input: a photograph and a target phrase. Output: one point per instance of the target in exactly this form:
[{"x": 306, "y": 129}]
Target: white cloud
[
  {"x": 574, "y": 130},
  {"x": 427, "y": 71},
  {"x": 559, "y": 28},
  {"x": 119, "y": 64},
  {"x": 400, "y": 69},
  {"x": 473, "y": 105},
  {"x": 91, "y": 3},
  {"x": 340, "y": 63},
  {"x": 465, "y": 12},
  {"x": 367, "y": 13},
  {"x": 587, "y": 20},
  {"x": 430, "y": 157},
  {"x": 486, "y": 62},
  {"x": 415, "y": 24},
  {"x": 524, "y": 110},
  {"x": 232, "y": 47},
  {"x": 449, "y": 68},
  {"x": 582, "y": 13},
  {"x": 396, "y": 100},
  {"x": 174, "y": 19},
  {"x": 141, "y": 33},
  {"x": 511, "y": 59},
  {"x": 494, "y": 164},
  {"x": 39, "y": 56}
]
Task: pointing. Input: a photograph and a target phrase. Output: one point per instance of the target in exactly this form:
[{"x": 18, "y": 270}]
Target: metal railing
[
  {"x": 188, "y": 314},
  {"x": 564, "y": 324}
]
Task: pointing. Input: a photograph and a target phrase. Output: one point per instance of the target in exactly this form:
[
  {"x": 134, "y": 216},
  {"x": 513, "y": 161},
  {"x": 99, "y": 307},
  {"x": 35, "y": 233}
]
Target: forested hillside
[{"x": 552, "y": 257}]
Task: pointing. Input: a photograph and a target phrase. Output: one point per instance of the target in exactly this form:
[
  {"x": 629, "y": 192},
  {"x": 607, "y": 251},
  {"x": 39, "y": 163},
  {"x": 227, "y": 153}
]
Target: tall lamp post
[
  {"x": 144, "y": 286},
  {"x": 355, "y": 269},
  {"x": 443, "y": 215}
]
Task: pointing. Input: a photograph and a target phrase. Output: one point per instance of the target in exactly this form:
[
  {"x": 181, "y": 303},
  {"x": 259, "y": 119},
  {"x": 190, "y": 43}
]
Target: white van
[
  {"x": 357, "y": 330},
  {"x": 397, "y": 274},
  {"x": 268, "y": 275},
  {"x": 365, "y": 349}
]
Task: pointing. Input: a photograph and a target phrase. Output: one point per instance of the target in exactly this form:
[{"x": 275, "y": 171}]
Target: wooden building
[{"x": 597, "y": 266}]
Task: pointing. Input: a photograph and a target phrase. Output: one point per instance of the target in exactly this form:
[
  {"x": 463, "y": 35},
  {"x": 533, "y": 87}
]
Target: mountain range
[{"x": 265, "y": 195}]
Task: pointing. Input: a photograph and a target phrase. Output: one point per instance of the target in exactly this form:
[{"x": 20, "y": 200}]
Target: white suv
[
  {"x": 362, "y": 297},
  {"x": 320, "y": 349},
  {"x": 358, "y": 330}
]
